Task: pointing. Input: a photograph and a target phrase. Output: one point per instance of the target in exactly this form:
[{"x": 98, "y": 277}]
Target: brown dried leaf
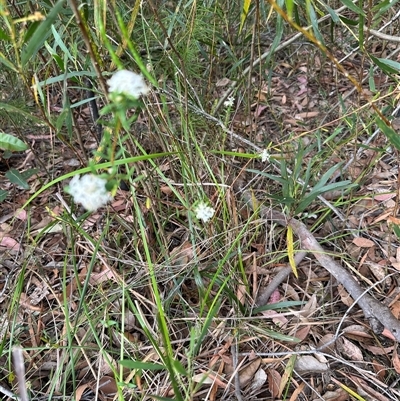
[
  {"x": 108, "y": 386},
  {"x": 310, "y": 307},
  {"x": 337, "y": 395},
  {"x": 302, "y": 333},
  {"x": 327, "y": 345},
  {"x": 379, "y": 369},
  {"x": 274, "y": 382},
  {"x": 247, "y": 373},
  {"x": 80, "y": 390},
  {"x": 363, "y": 242},
  {"x": 375, "y": 350},
  {"x": 344, "y": 296},
  {"x": 396, "y": 362},
  {"x": 296, "y": 393},
  {"x": 349, "y": 350}
]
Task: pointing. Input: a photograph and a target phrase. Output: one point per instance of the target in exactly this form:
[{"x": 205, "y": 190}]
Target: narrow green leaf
[
  {"x": 391, "y": 65},
  {"x": 15, "y": 177},
  {"x": 389, "y": 132},
  {"x": 10, "y": 142},
  {"x": 337, "y": 186},
  {"x": 13, "y": 109},
  {"x": 350, "y": 5},
  {"x": 314, "y": 21},
  {"x": 8, "y": 63},
  {"x": 41, "y": 33},
  {"x": 141, "y": 365},
  {"x": 290, "y": 249},
  {"x": 332, "y": 13},
  {"x": 3, "y": 195},
  {"x": 289, "y": 8}
]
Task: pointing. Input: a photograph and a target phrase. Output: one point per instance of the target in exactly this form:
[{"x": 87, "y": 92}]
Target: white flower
[
  {"x": 90, "y": 191},
  {"x": 265, "y": 156},
  {"x": 204, "y": 212},
  {"x": 128, "y": 83},
  {"x": 229, "y": 101}
]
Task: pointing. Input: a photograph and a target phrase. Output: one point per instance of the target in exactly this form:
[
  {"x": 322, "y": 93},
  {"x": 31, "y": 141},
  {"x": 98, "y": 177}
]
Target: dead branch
[{"x": 379, "y": 315}]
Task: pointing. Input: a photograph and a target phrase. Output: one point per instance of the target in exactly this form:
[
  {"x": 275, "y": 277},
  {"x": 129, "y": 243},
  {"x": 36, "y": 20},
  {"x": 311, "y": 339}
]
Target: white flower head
[
  {"x": 128, "y": 83},
  {"x": 204, "y": 212},
  {"x": 90, "y": 191},
  {"x": 229, "y": 101},
  {"x": 265, "y": 156}
]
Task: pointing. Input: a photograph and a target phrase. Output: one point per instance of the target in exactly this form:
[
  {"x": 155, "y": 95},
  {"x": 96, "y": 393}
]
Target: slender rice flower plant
[
  {"x": 127, "y": 83},
  {"x": 90, "y": 191},
  {"x": 203, "y": 212},
  {"x": 125, "y": 89},
  {"x": 229, "y": 102},
  {"x": 265, "y": 156}
]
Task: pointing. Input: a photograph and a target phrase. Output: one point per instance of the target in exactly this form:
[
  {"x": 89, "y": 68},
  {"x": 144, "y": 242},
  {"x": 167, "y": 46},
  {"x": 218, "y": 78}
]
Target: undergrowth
[{"x": 144, "y": 298}]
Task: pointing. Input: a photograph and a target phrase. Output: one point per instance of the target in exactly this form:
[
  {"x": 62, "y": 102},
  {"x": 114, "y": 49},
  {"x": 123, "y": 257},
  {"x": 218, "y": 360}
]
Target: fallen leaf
[
  {"x": 363, "y": 242},
  {"x": 247, "y": 373},
  {"x": 274, "y": 382},
  {"x": 349, "y": 350},
  {"x": 10, "y": 243},
  {"x": 396, "y": 362},
  {"x": 309, "y": 364}
]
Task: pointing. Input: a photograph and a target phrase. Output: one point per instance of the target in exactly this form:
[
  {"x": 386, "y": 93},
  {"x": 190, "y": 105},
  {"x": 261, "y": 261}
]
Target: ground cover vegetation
[{"x": 199, "y": 200}]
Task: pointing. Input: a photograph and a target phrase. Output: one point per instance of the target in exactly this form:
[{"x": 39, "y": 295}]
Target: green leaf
[
  {"x": 350, "y": 5},
  {"x": 13, "y": 109},
  {"x": 3, "y": 195},
  {"x": 396, "y": 229},
  {"x": 388, "y": 66},
  {"x": 15, "y": 177},
  {"x": 29, "y": 173},
  {"x": 334, "y": 16},
  {"x": 10, "y": 142},
  {"x": 141, "y": 365},
  {"x": 8, "y": 63},
  {"x": 314, "y": 21},
  {"x": 337, "y": 186},
  {"x": 41, "y": 33},
  {"x": 4, "y": 36},
  {"x": 289, "y": 8},
  {"x": 389, "y": 132}
]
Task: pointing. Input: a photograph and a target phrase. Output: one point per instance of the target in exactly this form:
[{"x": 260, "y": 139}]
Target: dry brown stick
[
  {"x": 279, "y": 278},
  {"x": 379, "y": 315}
]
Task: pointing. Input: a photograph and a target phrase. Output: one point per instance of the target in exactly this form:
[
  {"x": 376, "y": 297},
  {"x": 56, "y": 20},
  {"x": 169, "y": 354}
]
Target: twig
[
  {"x": 8, "y": 393},
  {"x": 379, "y": 315},
  {"x": 19, "y": 369},
  {"x": 280, "y": 277},
  {"x": 234, "y": 352}
]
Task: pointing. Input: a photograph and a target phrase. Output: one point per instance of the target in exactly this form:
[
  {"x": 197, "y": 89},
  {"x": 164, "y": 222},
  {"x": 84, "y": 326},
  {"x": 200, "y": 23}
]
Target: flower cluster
[
  {"x": 128, "y": 83},
  {"x": 265, "y": 156},
  {"x": 90, "y": 191},
  {"x": 204, "y": 212},
  {"x": 229, "y": 102}
]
